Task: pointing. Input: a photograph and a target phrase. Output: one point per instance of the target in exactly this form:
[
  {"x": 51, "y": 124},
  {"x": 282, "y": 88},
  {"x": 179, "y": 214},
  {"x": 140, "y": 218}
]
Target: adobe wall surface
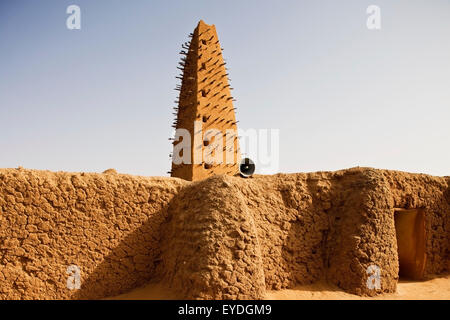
[
  {"x": 211, "y": 247},
  {"x": 219, "y": 238},
  {"x": 107, "y": 224},
  {"x": 325, "y": 225}
]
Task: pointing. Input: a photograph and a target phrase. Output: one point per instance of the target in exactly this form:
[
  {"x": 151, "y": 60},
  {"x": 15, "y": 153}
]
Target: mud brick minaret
[{"x": 205, "y": 103}]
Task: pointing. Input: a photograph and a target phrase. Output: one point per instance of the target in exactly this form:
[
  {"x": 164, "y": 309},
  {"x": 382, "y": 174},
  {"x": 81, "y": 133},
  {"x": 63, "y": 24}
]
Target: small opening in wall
[
  {"x": 410, "y": 233},
  {"x": 203, "y": 67},
  {"x": 205, "y": 118},
  {"x": 204, "y": 93},
  {"x": 207, "y": 166},
  {"x": 204, "y": 42},
  {"x": 206, "y": 143}
]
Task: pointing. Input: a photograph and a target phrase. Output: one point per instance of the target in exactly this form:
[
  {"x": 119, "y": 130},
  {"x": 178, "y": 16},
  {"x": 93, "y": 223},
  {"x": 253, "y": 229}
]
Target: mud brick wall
[
  {"x": 107, "y": 224},
  {"x": 219, "y": 238},
  {"x": 211, "y": 248},
  {"x": 326, "y": 225}
]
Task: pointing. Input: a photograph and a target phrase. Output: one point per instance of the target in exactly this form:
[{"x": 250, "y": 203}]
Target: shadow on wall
[
  {"x": 322, "y": 242},
  {"x": 304, "y": 249},
  {"x": 131, "y": 264},
  {"x": 336, "y": 237},
  {"x": 302, "y": 258}
]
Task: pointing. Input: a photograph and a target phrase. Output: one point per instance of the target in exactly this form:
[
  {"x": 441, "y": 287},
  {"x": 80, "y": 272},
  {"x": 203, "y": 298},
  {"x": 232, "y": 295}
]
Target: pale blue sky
[{"x": 341, "y": 95}]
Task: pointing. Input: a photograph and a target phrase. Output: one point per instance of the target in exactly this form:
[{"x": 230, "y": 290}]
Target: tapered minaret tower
[{"x": 205, "y": 110}]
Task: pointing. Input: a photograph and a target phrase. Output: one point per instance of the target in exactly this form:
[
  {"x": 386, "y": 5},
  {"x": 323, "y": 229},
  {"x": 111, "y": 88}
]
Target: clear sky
[{"x": 341, "y": 95}]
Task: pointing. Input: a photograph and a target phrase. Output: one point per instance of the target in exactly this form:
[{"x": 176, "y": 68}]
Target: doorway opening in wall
[{"x": 410, "y": 231}]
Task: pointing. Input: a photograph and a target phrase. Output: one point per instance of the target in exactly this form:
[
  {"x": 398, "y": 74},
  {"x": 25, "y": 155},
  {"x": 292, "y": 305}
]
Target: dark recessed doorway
[{"x": 410, "y": 230}]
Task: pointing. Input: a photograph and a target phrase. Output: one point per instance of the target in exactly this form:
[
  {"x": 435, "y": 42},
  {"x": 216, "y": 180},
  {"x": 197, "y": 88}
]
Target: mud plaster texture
[
  {"x": 107, "y": 224},
  {"x": 222, "y": 237}
]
